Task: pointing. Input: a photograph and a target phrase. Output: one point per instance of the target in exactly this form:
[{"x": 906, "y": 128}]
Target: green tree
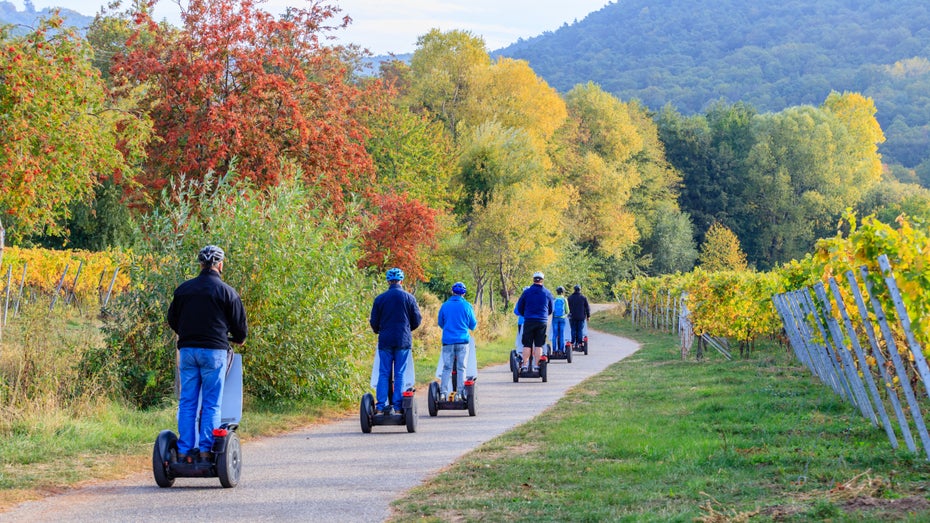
[
  {"x": 671, "y": 244},
  {"x": 412, "y": 154},
  {"x": 492, "y": 156},
  {"x": 442, "y": 69},
  {"x": 295, "y": 268},
  {"x": 806, "y": 167}
]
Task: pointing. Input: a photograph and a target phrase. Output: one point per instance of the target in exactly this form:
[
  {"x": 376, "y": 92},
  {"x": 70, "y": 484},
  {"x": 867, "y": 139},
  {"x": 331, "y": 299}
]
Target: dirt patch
[{"x": 887, "y": 507}]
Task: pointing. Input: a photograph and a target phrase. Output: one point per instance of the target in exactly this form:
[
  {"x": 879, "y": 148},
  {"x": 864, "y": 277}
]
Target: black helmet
[
  {"x": 577, "y": 288},
  {"x": 560, "y": 289},
  {"x": 211, "y": 255}
]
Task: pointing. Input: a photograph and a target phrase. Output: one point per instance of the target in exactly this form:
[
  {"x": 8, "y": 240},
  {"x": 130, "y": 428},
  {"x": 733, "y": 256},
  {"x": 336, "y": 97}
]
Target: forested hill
[
  {"x": 772, "y": 55},
  {"x": 20, "y": 20}
]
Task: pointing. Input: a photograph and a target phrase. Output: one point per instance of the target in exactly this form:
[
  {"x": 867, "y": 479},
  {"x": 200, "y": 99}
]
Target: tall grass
[{"x": 40, "y": 364}]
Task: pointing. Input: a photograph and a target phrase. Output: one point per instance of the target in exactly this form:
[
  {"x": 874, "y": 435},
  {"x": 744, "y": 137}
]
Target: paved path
[{"x": 332, "y": 472}]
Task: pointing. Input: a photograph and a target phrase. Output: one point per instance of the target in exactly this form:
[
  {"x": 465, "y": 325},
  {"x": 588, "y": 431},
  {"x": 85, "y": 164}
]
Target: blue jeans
[
  {"x": 202, "y": 374},
  {"x": 558, "y": 333},
  {"x": 577, "y": 331},
  {"x": 396, "y": 359},
  {"x": 457, "y": 352}
]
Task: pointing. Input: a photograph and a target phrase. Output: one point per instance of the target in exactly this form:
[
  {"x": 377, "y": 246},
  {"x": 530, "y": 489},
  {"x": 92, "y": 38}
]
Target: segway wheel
[
  {"x": 165, "y": 444},
  {"x": 542, "y": 371},
  {"x": 586, "y": 346},
  {"x": 365, "y": 411},
  {"x": 513, "y": 360},
  {"x": 471, "y": 401},
  {"x": 431, "y": 399},
  {"x": 411, "y": 418},
  {"x": 568, "y": 355},
  {"x": 229, "y": 462}
]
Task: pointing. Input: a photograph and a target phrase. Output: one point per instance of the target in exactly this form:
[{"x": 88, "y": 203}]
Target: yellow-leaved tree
[{"x": 721, "y": 250}]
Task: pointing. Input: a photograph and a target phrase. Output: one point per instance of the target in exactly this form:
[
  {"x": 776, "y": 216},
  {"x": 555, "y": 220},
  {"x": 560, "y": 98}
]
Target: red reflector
[
  {"x": 543, "y": 358},
  {"x": 585, "y": 338},
  {"x": 469, "y": 383},
  {"x": 408, "y": 393},
  {"x": 220, "y": 433}
]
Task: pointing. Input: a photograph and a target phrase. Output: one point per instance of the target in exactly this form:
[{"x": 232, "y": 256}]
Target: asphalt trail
[{"x": 332, "y": 472}]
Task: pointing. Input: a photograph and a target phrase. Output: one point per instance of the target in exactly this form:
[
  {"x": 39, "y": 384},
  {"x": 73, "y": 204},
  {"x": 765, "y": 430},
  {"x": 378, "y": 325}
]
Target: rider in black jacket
[{"x": 579, "y": 312}]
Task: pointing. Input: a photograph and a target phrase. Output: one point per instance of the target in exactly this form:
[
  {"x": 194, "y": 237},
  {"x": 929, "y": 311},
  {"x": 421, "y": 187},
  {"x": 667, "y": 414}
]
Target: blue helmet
[
  {"x": 459, "y": 288},
  {"x": 394, "y": 274}
]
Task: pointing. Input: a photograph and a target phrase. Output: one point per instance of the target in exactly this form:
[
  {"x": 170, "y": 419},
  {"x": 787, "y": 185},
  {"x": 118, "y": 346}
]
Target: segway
[
  {"x": 579, "y": 347},
  {"x": 227, "y": 451},
  {"x": 457, "y": 400},
  {"x": 564, "y": 354},
  {"x": 516, "y": 361},
  {"x": 392, "y": 415},
  {"x": 583, "y": 346}
]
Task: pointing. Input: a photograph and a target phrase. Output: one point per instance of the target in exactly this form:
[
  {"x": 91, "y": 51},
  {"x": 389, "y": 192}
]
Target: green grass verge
[{"x": 654, "y": 438}]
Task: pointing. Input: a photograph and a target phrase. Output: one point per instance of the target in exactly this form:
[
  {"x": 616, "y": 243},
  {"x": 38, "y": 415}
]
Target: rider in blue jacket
[
  {"x": 456, "y": 319},
  {"x": 535, "y": 305}
]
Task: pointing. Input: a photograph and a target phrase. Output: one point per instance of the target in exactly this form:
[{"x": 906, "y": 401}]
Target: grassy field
[{"x": 654, "y": 438}]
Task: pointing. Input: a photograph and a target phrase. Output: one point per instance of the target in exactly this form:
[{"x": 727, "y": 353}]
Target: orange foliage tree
[
  {"x": 235, "y": 81},
  {"x": 402, "y": 232}
]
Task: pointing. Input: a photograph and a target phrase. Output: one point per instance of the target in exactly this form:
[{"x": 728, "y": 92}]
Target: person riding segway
[
  {"x": 456, "y": 391},
  {"x": 535, "y": 305},
  {"x": 394, "y": 314},
  {"x": 207, "y": 314},
  {"x": 579, "y": 314}
]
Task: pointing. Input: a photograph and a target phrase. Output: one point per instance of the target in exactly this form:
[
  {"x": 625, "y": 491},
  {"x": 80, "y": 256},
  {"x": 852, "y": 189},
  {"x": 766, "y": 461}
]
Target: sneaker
[
  {"x": 535, "y": 368},
  {"x": 523, "y": 369},
  {"x": 183, "y": 458},
  {"x": 379, "y": 412},
  {"x": 205, "y": 457}
]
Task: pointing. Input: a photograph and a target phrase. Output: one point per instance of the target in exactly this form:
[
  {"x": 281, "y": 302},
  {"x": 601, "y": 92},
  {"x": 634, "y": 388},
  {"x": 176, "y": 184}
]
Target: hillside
[
  {"x": 773, "y": 55},
  {"x": 27, "y": 18}
]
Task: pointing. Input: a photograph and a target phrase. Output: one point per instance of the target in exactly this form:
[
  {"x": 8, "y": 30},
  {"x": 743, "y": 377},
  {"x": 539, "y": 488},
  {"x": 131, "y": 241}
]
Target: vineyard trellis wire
[{"x": 846, "y": 352}]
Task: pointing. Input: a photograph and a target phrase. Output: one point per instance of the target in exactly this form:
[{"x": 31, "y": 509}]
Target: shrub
[{"x": 294, "y": 267}]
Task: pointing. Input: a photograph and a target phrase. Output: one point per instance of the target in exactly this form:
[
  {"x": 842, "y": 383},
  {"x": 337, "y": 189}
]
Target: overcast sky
[{"x": 393, "y": 25}]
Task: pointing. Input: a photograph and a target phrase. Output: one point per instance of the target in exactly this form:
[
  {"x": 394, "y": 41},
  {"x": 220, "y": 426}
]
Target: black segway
[
  {"x": 579, "y": 347},
  {"x": 565, "y": 353},
  {"x": 457, "y": 400},
  {"x": 227, "y": 451},
  {"x": 391, "y": 416},
  {"x": 516, "y": 361}
]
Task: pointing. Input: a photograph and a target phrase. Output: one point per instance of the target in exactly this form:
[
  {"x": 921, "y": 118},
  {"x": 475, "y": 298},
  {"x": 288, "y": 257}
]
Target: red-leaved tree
[
  {"x": 401, "y": 233},
  {"x": 236, "y": 81}
]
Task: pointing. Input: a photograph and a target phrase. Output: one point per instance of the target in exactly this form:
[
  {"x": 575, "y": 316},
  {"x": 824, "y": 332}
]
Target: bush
[{"x": 292, "y": 264}]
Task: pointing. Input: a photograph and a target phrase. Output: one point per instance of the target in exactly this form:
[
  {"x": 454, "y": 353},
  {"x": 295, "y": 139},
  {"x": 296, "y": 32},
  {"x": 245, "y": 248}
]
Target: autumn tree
[
  {"x": 510, "y": 93},
  {"x": 604, "y": 140},
  {"x": 63, "y": 132},
  {"x": 721, "y": 250},
  {"x": 518, "y": 230},
  {"x": 401, "y": 233},
  {"x": 236, "y": 81}
]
